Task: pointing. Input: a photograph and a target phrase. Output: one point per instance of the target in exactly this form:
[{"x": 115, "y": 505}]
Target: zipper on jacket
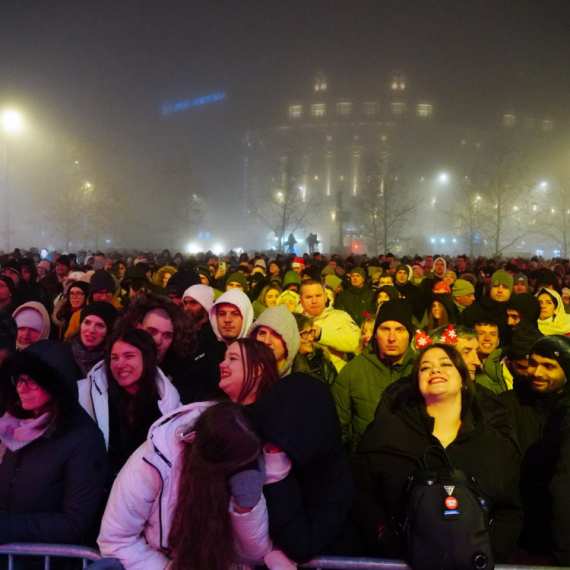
[{"x": 165, "y": 548}]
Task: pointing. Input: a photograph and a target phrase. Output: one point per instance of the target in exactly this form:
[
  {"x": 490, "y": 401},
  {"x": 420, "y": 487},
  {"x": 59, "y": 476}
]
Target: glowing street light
[
  {"x": 12, "y": 121},
  {"x": 443, "y": 178},
  {"x": 544, "y": 185}
]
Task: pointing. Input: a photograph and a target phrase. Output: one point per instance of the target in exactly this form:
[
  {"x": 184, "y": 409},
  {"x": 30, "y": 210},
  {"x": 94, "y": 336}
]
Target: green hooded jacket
[
  {"x": 492, "y": 375},
  {"x": 358, "y": 388}
]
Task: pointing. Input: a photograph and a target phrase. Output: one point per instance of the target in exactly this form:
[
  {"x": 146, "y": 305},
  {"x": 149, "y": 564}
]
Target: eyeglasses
[
  {"x": 307, "y": 334},
  {"x": 78, "y": 294},
  {"x": 30, "y": 384}
]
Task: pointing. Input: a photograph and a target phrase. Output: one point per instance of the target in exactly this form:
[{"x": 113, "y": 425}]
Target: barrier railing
[
  {"x": 47, "y": 551},
  {"x": 342, "y": 563}
]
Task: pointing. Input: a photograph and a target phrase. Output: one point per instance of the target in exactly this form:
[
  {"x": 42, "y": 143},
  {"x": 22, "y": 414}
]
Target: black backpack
[{"x": 447, "y": 519}]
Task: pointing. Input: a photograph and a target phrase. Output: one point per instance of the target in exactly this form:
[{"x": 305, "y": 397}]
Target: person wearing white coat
[
  {"x": 126, "y": 393},
  {"x": 141, "y": 510}
]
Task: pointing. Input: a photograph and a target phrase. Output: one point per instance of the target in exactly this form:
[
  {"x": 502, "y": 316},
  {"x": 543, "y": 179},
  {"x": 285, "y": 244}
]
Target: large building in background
[{"x": 331, "y": 138}]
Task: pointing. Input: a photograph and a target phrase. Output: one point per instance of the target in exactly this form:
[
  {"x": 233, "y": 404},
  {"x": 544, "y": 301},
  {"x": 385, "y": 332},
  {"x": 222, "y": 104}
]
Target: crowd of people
[{"x": 184, "y": 411}]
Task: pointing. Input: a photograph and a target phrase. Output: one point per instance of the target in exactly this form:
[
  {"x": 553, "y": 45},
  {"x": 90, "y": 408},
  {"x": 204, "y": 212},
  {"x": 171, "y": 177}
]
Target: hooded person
[
  {"x": 523, "y": 307},
  {"x": 163, "y": 275},
  {"x": 231, "y": 316},
  {"x": 102, "y": 287},
  {"x": 95, "y": 327},
  {"x": 553, "y": 319},
  {"x": 277, "y": 328},
  {"x": 291, "y": 300},
  {"x": 388, "y": 357},
  {"x": 33, "y": 324},
  {"x": 492, "y": 307},
  {"x": 54, "y": 464}
]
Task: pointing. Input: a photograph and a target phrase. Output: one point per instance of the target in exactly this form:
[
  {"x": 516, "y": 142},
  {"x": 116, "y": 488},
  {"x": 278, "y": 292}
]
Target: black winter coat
[
  {"x": 479, "y": 449},
  {"x": 309, "y": 509},
  {"x": 50, "y": 490},
  {"x": 537, "y": 421}
]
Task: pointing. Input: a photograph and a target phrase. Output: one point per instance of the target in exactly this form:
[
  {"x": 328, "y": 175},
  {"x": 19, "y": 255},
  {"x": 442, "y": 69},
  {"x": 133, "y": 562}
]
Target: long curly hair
[
  {"x": 202, "y": 534},
  {"x": 185, "y": 329}
]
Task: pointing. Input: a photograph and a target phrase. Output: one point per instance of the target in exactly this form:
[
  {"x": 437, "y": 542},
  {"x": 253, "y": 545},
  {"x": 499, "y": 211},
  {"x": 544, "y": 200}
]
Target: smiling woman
[
  {"x": 442, "y": 410},
  {"x": 126, "y": 393}
]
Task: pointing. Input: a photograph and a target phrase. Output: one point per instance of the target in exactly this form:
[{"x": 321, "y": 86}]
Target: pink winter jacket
[{"x": 138, "y": 517}]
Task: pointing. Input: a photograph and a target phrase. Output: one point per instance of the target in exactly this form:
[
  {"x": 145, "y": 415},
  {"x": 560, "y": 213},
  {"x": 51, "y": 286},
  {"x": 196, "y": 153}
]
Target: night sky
[{"x": 100, "y": 70}]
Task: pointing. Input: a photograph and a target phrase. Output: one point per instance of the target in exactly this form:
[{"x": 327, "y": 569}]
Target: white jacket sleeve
[
  {"x": 339, "y": 332},
  {"x": 251, "y": 531},
  {"x": 129, "y": 507}
]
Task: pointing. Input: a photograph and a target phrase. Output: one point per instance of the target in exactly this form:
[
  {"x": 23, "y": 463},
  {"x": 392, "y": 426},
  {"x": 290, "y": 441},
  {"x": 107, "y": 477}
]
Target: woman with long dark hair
[
  {"x": 441, "y": 410},
  {"x": 190, "y": 497},
  {"x": 126, "y": 393}
]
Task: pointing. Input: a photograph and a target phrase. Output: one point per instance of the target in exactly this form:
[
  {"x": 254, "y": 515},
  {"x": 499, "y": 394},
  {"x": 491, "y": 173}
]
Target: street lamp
[{"x": 12, "y": 122}]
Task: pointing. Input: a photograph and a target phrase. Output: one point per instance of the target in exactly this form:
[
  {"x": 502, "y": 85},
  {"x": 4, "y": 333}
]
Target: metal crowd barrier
[
  {"x": 321, "y": 563},
  {"x": 47, "y": 551}
]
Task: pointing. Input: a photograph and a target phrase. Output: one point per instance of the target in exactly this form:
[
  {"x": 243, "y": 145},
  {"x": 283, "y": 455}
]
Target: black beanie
[
  {"x": 523, "y": 339},
  {"x": 181, "y": 281},
  {"x": 556, "y": 347},
  {"x": 9, "y": 283},
  {"x": 103, "y": 310},
  {"x": 101, "y": 280},
  {"x": 391, "y": 291},
  {"x": 398, "y": 310},
  {"x": 8, "y": 331}
]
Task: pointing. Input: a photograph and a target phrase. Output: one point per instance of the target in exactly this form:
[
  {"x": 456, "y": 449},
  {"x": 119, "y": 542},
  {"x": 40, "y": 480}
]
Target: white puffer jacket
[
  {"x": 94, "y": 396},
  {"x": 138, "y": 517}
]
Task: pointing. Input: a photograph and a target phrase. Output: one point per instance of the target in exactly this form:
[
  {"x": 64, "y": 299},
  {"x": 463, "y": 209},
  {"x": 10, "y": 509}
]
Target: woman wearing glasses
[
  {"x": 74, "y": 299},
  {"x": 312, "y": 358},
  {"x": 53, "y": 462}
]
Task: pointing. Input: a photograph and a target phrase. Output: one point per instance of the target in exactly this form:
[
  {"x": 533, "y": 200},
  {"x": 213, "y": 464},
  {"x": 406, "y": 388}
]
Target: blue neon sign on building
[{"x": 169, "y": 108}]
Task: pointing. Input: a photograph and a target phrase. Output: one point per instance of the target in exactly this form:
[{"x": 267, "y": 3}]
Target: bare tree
[
  {"x": 386, "y": 206},
  {"x": 503, "y": 190},
  {"x": 285, "y": 206},
  {"x": 554, "y": 221},
  {"x": 467, "y": 214}
]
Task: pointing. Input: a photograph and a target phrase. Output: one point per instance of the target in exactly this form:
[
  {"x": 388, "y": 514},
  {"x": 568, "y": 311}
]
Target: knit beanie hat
[
  {"x": 238, "y": 278},
  {"x": 462, "y": 287},
  {"x": 391, "y": 291},
  {"x": 288, "y": 294},
  {"x": 328, "y": 270},
  {"x": 523, "y": 339},
  {"x": 520, "y": 278},
  {"x": 402, "y": 268},
  {"x": 290, "y": 278},
  {"x": 8, "y": 331},
  {"x": 502, "y": 277},
  {"x": 298, "y": 262},
  {"x": 101, "y": 280},
  {"x": 313, "y": 272},
  {"x": 84, "y": 286},
  {"x": 527, "y": 305},
  {"x": 29, "y": 318},
  {"x": 204, "y": 270},
  {"x": 556, "y": 347},
  {"x": 45, "y": 264},
  {"x": 398, "y": 310},
  {"x": 332, "y": 281},
  {"x": 360, "y": 271},
  {"x": 261, "y": 263},
  {"x": 203, "y": 294},
  {"x": 9, "y": 283},
  {"x": 63, "y": 260},
  {"x": 281, "y": 320},
  {"x": 105, "y": 311},
  {"x": 442, "y": 288}
]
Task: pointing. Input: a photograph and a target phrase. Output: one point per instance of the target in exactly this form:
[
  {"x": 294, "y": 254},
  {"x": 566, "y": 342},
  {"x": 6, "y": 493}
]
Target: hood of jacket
[
  {"x": 240, "y": 300},
  {"x": 44, "y": 333},
  {"x": 527, "y": 305},
  {"x": 281, "y": 320}
]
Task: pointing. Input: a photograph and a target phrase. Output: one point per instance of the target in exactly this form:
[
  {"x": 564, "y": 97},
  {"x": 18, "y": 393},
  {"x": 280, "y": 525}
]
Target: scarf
[
  {"x": 86, "y": 359},
  {"x": 16, "y": 433}
]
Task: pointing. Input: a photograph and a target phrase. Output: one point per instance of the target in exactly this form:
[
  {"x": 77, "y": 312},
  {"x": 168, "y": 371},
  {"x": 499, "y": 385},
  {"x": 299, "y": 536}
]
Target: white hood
[{"x": 240, "y": 300}]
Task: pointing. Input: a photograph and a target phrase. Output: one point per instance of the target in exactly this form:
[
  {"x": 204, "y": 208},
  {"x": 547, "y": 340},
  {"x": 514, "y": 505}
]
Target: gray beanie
[{"x": 281, "y": 320}]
